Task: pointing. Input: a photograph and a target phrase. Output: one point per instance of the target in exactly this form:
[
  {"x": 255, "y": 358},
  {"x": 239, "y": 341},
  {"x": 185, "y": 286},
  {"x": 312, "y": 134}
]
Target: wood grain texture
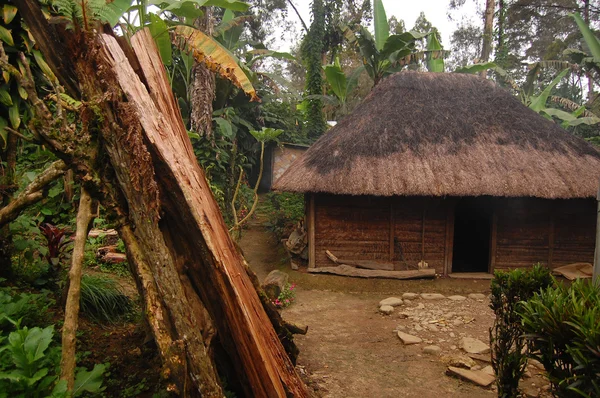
[
  {"x": 219, "y": 274},
  {"x": 348, "y": 270}
]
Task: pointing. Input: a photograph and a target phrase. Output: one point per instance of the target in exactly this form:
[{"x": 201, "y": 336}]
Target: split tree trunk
[{"x": 190, "y": 273}]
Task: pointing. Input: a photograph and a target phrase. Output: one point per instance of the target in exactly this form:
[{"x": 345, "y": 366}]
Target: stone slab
[
  {"x": 409, "y": 339},
  {"x": 474, "y": 376},
  {"x": 391, "y": 301}
]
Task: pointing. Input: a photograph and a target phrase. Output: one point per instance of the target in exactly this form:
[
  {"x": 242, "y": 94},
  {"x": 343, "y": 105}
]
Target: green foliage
[
  {"x": 283, "y": 211},
  {"x": 102, "y": 299},
  {"x": 286, "y": 297},
  {"x": 29, "y": 366},
  {"x": 27, "y": 309},
  {"x": 506, "y": 334},
  {"x": 312, "y": 50},
  {"x": 563, "y": 333}
]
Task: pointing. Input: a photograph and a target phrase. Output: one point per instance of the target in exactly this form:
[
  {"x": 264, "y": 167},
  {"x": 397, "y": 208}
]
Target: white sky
[{"x": 436, "y": 11}]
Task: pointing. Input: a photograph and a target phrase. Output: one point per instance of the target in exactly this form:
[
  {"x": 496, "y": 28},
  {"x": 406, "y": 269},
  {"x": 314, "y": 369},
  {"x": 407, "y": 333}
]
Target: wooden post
[
  {"x": 312, "y": 252},
  {"x": 596, "y": 274},
  {"x": 423, "y": 233}
]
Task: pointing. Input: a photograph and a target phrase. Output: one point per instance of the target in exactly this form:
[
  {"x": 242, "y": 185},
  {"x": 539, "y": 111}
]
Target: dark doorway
[{"x": 472, "y": 229}]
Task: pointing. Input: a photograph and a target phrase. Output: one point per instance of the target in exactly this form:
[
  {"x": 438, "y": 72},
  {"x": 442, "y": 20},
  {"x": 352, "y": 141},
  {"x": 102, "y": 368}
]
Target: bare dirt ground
[{"x": 351, "y": 350}]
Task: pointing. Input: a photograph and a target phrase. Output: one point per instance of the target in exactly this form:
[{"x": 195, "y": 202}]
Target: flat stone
[
  {"x": 433, "y": 328},
  {"x": 410, "y": 296},
  {"x": 432, "y": 296},
  {"x": 408, "y": 339},
  {"x": 386, "y": 309},
  {"x": 474, "y": 376},
  {"x": 481, "y": 357},
  {"x": 474, "y": 346},
  {"x": 459, "y": 361},
  {"x": 432, "y": 350},
  {"x": 489, "y": 370},
  {"x": 477, "y": 296},
  {"x": 457, "y": 298},
  {"x": 391, "y": 301}
]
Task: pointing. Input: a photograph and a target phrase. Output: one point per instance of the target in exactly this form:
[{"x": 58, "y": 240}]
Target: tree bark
[
  {"x": 33, "y": 193},
  {"x": 488, "y": 31},
  {"x": 67, "y": 362},
  {"x": 202, "y": 92}
]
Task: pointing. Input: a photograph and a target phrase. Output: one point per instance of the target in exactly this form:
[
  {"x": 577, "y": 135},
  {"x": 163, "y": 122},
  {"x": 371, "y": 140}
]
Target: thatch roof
[{"x": 438, "y": 134}]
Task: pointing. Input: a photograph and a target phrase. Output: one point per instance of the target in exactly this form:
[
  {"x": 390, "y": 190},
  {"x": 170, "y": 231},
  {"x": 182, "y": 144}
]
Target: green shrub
[
  {"x": 102, "y": 299},
  {"x": 30, "y": 365},
  {"x": 283, "y": 211},
  {"x": 286, "y": 297},
  {"x": 506, "y": 334},
  {"x": 562, "y": 325},
  {"x": 27, "y": 309}
]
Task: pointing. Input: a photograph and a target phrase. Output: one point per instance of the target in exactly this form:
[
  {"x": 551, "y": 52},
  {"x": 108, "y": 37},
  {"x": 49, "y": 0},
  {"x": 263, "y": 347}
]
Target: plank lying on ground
[
  {"x": 347, "y": 270},
  {"x": 367, "y": 264}
]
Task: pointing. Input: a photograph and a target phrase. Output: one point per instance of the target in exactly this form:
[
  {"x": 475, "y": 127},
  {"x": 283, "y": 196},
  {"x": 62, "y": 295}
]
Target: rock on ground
[
  {"x": 432, "y": 350},
  {"x": 410, "y": 296},
  {"x": 408, "y": 339},
  {"x": 457, "y": 298},
  {"x": 274, "y": 283},
  {"x": 386, "y": 309},
  {"x": 432, "y": 296},
  {"x": 459, "y": 361},
  {"x": 475, "y": 376},
  {"x": 474, "y": 346},
  {"x": 477, "y": 296},
  {"x": 392, "y": 301}
]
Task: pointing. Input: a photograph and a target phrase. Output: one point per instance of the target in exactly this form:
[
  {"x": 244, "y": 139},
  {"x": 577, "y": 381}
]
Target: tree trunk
[
  {"x": 69, "y": 341},
  {"x": 190, "y": 273},
  {"x": 8, "y": 185},
  {"x": 488, "y": 31},
  {"x": 202, "y": 91}
]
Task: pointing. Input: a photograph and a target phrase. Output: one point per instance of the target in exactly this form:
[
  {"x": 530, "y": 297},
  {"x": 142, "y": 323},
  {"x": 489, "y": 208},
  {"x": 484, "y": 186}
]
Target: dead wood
[
  {"x": 347, "y": 270},
  {"x": 67, "y": 362},
  {"x": 33, "y": 193},
  {"x": 366, "y": 264}
]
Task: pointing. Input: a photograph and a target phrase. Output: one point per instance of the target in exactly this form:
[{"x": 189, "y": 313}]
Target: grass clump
[{"x": 102, "y": 299}]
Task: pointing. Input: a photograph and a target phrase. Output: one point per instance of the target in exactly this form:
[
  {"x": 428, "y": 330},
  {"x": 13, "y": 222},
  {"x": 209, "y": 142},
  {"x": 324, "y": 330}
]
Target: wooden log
[
  {"x": 295, "y": 329},
  {"x": 366, "y": 264},
  {"x": 347, "y": 270},
  {"x": 274, "y": 283}
]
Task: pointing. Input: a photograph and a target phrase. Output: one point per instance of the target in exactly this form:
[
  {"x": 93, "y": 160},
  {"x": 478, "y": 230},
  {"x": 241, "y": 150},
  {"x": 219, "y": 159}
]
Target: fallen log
[
  {"x": 366, "y": 264},
  {"x": 347, "y": 270}
]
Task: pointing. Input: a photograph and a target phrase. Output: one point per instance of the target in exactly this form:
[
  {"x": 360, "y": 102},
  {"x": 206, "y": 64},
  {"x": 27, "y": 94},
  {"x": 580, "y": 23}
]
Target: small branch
[
  {"x": 21, "y": 136},
  {"x": 67, "y": 362},
  {"x": 235, "y": 195},
  {"x": 299, "y": 16},
  {"x": 260, "y": 173},
  {"x": 33, "y": 193}
]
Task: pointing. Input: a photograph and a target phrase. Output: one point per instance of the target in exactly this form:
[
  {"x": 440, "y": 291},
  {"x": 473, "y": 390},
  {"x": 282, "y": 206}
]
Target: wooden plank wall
[
  {"x": 527, "y": 231},
  {"x": 574, "y": 232},
  {"x": 375, "y": 228},
  {"x": 552, "y": 232},
  {"x": 354, "y": 227}
]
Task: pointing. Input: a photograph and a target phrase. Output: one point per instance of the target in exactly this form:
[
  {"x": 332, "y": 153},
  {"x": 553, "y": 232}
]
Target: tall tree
[
  {"x": 313, "y": 49},
  {"x": 488, "y": 31}
]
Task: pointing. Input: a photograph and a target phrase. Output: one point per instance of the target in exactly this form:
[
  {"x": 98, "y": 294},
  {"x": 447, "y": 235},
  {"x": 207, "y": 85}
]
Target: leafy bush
[
  {"x": 30, "y": 365},
  {"x": 25, "y": 308},
  {"x": 562, "y": 325},
  {"x": 506, "y": 334},
  {"x": 102, "y": 299},
  {"x": 283, "y": 211}
]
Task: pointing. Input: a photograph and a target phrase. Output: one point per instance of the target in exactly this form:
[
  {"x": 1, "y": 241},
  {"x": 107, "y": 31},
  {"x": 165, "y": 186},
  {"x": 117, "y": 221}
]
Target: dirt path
[{"x": 353, "y": 351}]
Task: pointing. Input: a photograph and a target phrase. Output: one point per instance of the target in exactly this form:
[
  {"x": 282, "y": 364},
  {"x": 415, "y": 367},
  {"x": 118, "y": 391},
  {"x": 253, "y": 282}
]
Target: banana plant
[
  {"x": 341, "y": 86},
  {"x": 383, "y": 54}
]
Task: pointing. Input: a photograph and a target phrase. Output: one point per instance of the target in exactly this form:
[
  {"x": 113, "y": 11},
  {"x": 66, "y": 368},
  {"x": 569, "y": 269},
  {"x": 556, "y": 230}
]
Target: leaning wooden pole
[{"x": 69, "y": 341}]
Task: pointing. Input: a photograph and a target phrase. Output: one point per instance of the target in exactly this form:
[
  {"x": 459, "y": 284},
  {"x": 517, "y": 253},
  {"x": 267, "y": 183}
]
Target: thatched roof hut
[
  {"x": 446, "y": 171},
  {"x": 445, "y": 134}
]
